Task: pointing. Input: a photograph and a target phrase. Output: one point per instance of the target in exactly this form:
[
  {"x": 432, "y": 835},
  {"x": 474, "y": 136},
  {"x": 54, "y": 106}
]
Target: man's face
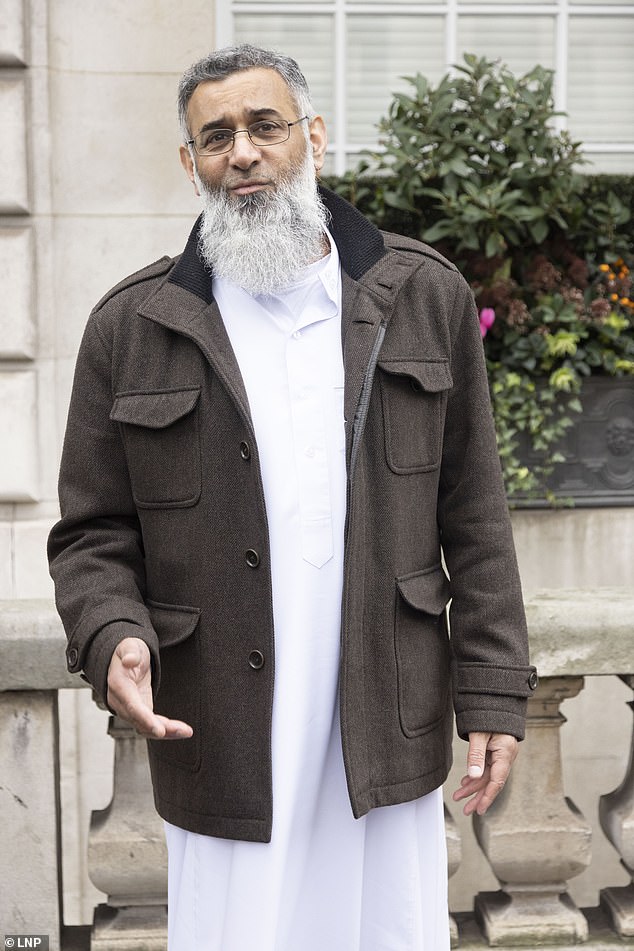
[{"x": 234, "y": 103}]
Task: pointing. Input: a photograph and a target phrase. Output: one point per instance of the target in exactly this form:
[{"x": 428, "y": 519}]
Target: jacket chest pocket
[
  {"x": 414, "y": 397},
  {"x": 162, "y": 441}
]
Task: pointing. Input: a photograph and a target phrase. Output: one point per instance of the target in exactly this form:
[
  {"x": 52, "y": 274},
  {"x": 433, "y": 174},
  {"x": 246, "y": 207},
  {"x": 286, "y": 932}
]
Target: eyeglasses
[{"x": 262, "y": 133}]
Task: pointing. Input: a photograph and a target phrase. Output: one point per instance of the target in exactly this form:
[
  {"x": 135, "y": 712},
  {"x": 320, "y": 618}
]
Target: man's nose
[{"x": 244, "y": 153}]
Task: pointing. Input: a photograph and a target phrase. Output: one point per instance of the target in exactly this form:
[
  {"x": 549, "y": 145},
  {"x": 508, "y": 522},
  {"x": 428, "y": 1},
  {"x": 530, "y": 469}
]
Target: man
[{"x": 270, "y": 439}]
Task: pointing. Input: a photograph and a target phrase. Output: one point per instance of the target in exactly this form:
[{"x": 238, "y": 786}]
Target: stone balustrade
[{"x": 534, "y": 838}]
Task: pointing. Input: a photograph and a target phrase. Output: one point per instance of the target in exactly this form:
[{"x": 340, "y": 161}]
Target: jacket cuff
[
  {"x": 490, "y": 680},
  {"x": 82, "y": 635},
  {"x": 490, "y": 699},
  {"x": 510, "y": 719}
]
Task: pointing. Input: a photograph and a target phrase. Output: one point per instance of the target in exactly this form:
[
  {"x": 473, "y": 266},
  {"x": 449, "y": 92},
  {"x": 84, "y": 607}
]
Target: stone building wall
[{"x": 91, "y": 189}]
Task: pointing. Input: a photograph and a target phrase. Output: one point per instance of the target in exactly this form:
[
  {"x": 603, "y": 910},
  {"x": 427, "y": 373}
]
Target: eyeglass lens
[{"x": 265, "y": 132}]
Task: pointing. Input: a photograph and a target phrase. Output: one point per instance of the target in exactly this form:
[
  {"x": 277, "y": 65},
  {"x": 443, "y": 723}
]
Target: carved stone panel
[
  {"x": 12, "y": 33},
  {"x": 599, "y": 449},
  {"x": 14, "y": 198},
  {"x": 17, "y": 328},
  {"x": 18, "y": 436}
]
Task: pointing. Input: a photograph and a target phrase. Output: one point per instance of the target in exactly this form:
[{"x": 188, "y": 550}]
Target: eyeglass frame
[{"x": 266, "y": 145}]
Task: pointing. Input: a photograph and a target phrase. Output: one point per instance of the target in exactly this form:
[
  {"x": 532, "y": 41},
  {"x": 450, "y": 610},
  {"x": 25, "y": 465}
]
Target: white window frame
[{"x": 451, "y": 10}]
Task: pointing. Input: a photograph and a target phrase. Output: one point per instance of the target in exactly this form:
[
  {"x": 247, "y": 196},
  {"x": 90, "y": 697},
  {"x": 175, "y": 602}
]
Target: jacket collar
[{"x": 359, "y": 242}]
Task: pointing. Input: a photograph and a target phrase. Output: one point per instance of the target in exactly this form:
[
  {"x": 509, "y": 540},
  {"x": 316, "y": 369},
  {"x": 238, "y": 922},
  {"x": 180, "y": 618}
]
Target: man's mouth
[{"x": 248, "y": 188}]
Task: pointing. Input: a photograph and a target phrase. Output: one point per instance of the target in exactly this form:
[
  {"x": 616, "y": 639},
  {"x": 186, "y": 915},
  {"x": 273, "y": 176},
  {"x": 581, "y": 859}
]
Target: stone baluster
[
  {"x": 127, "y": 855},
  {"x": 535, "y": 838},
  {"x": 454, "y": 857},
  {"x": 616, "y": 812}
]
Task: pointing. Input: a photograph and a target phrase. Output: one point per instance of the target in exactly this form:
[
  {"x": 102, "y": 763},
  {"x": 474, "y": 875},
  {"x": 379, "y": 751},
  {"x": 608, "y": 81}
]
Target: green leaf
[
  {"x": 440, "y": 230},
  {"x": 528, "y": 213},
  {"x": 495, "y": 244},
  {"x": 538, "y": 230},
  {"x": 394, "y": 200}
]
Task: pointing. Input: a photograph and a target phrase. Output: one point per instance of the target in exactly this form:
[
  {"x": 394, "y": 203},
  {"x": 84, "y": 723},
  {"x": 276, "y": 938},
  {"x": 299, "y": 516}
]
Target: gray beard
[{"x": 261, "y": 242}]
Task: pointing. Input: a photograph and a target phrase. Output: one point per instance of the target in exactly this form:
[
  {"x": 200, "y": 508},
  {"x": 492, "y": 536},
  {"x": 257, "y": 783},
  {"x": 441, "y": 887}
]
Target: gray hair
[{"x": 233, "y": 59}]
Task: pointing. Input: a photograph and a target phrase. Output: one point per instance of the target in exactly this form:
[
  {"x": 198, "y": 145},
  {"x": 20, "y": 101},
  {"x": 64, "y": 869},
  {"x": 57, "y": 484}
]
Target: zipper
[{"x": 358, "y": 427}]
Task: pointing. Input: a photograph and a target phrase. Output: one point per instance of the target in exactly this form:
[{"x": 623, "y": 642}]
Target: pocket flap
[
  {"x": 173, "y": 623},
  {"x": 430, "y": 375},
  {"x": 427, "y": 591},
  {"x": 154, "y": 410}
]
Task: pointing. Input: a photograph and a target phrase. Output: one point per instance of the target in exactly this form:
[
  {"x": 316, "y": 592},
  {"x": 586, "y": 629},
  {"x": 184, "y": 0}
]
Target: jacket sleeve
[
  {"x": 491, "y": 675},
  {"x": 96, "y": 549}
]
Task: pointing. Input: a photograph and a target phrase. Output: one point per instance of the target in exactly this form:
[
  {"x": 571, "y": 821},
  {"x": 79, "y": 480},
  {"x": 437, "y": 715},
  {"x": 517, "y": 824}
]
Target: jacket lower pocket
[
  {"x": 178, "y": 696},
  {"x": 422, "y": 649}
]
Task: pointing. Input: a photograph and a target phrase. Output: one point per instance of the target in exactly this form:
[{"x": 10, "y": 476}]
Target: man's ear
[
  {"x": 188, "y": 164},
  {"x": 318, "y": 141}
]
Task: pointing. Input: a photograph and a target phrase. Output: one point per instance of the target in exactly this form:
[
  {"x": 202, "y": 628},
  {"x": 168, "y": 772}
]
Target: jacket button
[
  {"x": 72, "y": 657},
  {"x": 252, "y": 558},
  {"x": 245, "y": 450},
  {"x": 415, "y": 385},
  {"x": 533, "y": 681},
  {"x": 256, "y": 660}
]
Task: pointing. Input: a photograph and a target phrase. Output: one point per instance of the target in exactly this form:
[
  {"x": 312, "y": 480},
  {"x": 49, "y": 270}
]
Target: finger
[
  {"x": 133, "y": 652},
  {"x": 174, "y": 729},
  {"x": 486, "y": 797},
  {"x": 468, "y": 787},
  {"x": 128, "y": 703},
  {"x": 132, "y": 658},
  {"x": 476, "y": 757}
]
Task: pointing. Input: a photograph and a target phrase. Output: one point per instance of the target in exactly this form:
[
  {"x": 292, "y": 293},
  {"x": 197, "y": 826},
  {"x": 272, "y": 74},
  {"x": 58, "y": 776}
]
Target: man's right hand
[{"x": 130, "y": 693}]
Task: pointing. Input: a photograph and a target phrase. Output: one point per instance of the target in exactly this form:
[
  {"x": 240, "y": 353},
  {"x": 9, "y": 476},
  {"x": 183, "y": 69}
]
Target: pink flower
[{"x": 487, "y": 316}]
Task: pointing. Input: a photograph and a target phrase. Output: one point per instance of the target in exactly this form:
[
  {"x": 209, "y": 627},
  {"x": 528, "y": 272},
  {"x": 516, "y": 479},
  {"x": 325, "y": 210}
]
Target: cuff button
[
  {"x": 72, "y": 657},
  {"x": 533, "y": 681},
  {"x": 256, "y": 660}
]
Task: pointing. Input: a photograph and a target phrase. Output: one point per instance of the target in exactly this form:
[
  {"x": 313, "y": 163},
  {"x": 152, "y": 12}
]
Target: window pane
[
  {"x": 403, "y": 3},
  {"x": 609, "y": 162},
  {"x": 380, "y": 51},
  {"x": 329, "y": 165},
  {"x": 308, "y": 39},
  {"x": 505, "y": 2},
  {"x": 353, "y": 159},
  {"x": 601, "y": 78},
  {"x": 521, "y": 42}
]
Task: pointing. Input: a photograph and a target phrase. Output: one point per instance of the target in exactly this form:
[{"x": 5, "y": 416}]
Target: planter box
[{"x": 599, "y": 449}]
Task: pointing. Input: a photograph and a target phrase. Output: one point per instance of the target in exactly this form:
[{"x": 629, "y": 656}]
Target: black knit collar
[{"x": 359, "y": 243}]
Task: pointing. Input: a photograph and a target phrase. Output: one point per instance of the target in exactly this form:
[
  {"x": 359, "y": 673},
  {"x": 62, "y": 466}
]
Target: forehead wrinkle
[{"x": 224, "y": 123}]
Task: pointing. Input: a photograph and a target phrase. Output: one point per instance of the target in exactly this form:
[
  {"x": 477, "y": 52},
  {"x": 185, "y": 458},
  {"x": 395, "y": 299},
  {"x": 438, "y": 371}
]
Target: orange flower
[
  {"x": 624, "y": 300},
  {"x": 614, "y": 296},
  {"x": 604, "y": 267}
]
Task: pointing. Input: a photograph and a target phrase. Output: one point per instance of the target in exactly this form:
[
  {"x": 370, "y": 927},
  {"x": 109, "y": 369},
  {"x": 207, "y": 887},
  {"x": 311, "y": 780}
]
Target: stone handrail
[{"x": 534, "y": 838}]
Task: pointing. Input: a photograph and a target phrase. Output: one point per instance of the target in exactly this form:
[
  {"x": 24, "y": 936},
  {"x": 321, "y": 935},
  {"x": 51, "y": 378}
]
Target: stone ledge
[
  {"x": 569, "y": 629},
  {"x": 32, "y": 647}
]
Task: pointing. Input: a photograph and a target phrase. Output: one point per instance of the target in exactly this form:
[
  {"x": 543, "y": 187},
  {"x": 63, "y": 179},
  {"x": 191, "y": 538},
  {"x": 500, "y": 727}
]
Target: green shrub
[{"x": 477, "y": 167}]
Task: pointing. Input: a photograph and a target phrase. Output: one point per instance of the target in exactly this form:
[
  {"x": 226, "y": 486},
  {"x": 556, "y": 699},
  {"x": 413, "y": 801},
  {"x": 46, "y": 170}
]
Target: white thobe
[{"x": 325, "y": 882}]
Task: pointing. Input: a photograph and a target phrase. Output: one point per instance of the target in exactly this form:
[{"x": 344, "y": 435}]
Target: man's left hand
[{"x": 489, "y": 762}]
